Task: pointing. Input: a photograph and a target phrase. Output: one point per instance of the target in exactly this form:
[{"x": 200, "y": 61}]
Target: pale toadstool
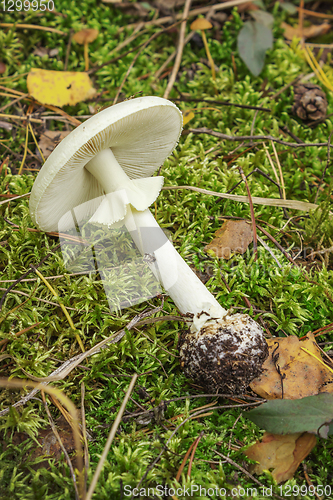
[{"x": 114, "y": 153}]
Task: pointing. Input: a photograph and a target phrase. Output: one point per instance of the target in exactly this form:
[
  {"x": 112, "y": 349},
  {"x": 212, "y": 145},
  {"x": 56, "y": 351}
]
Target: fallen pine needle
[{"x": 318, "y": 359}]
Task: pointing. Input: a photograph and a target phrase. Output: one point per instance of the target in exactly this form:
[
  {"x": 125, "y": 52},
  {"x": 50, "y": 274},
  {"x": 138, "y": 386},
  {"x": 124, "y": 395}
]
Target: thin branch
[
  {"x": 231, "y": 462},
  {"x": 192, "y": 13},
  {"x": 237, "y": 138},
  {"x": 254, "y": 229},
  {"x": 222, "y": 103}
]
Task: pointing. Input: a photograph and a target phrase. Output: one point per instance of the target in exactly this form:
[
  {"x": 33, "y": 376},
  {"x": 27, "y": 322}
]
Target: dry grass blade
[
  {"x": 110, "y": 438},
  {"x": 272, "y": 202},
  {"x": 61, "y": 444},
  {"x": 69, "y": 319},
  {"x": 280, "y": 170},
  {"x": 320, "y": 74},
  {"x": 14, "y": 198},
  {"x": 180, "y": 48},
  {"x": 182, "y": 465},
  {"x": 253, "y": 220},
  {"x": 197, "y": 441},
  {"x": 84, "y": 435},
  {"x": 25, "y": 150},
  {"x": 272, "y": 165},
  {"x": 32, "y": 27}
]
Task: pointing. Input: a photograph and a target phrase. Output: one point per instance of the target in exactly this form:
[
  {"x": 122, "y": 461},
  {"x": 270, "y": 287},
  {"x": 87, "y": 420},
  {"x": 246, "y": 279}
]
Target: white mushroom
[{"x": 114, "y": 153}]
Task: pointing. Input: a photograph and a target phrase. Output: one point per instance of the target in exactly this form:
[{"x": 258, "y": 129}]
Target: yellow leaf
[
  {"x": 187, "y": 116},
  {"x": 280, "y": 454},
  {"x": 303, "y": 375},
  {"x": 59, "y": 87}
]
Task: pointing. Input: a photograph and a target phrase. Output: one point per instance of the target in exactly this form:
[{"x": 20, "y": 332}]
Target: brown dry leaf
[
  {"x": 234, "y": 236},
  {"x": 280, "y": 454},
  {"x": 304, "y": 374},
  {"x": 59, "y": 87},
  {"x": 308, "y": 32},
  {"x": 244, "y": 7},
  {"x": 49, "y": 445},
  {"x": 49, "y": 141}
]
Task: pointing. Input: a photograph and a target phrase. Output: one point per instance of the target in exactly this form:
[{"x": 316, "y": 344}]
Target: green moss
[{"x": 294, "y": 300}]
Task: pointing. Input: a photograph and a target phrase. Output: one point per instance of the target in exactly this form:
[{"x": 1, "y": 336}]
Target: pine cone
[{"x": 310, "y": 102}]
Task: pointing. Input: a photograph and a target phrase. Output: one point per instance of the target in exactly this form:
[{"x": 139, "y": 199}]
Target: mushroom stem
[
  {"x": 210, "y": 59},
  {"x": 106, "y": 169},
  {"x": 86, "y": 56},
  {"x": 186, "y": 290},
  {"x": 184, "y": 287}
]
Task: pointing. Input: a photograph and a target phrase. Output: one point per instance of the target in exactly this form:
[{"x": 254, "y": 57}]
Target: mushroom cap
[
  {"x": 85, "y": 36},
  {"x": 141, "y": 132},
  {"x": 201, "y": 24}
]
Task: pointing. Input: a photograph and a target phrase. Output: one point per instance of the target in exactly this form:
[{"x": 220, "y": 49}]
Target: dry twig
[{"x": 180, "y": 48}]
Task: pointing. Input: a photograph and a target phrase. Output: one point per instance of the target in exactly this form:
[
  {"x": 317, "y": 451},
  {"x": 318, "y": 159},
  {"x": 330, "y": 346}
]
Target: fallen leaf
[
  {"x": 308, "y": 31},
  {"x": 285, "y": 416},
  {"x": 303, "y": 374},
  {"x": 49, "y": 445},
  {"x": 280, "y": 454},
  {"x": 49, "y": 141},
  {"x": 234, "y": 236},
  {"x": 187, "y": 116},
  {"x": 59, "y": 87},
  {"x": 263, "y": 17},
  {"x": 247, "y": 6},
  {"x": 253, "y": 40}
]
